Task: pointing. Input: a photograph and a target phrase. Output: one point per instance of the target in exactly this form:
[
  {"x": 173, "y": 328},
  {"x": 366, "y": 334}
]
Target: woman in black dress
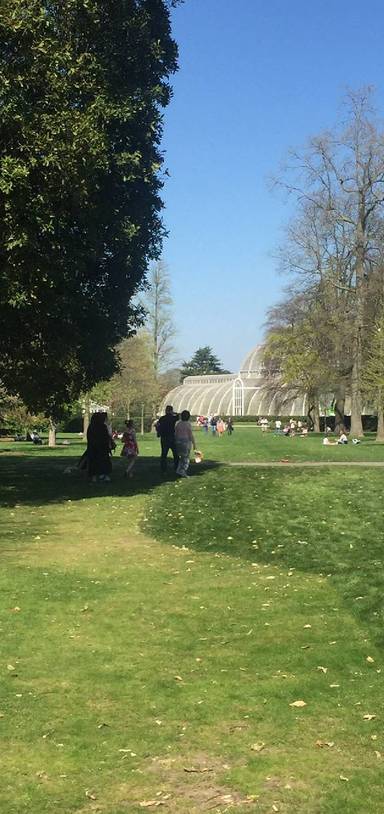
[{"x": 98, "y": 449}]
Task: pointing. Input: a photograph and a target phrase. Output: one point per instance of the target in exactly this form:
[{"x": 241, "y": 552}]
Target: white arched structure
[{"x": 252, "y": 391}]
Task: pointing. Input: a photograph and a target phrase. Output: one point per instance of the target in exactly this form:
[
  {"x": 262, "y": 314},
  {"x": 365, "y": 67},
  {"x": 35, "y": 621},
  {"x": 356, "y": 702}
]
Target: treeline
[{"x": 326, "y": 336}]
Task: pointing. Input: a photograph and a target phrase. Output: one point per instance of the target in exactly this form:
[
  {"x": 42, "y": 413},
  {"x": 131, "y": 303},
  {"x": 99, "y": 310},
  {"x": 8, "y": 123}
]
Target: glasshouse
[{"x": 251, "y": 391}]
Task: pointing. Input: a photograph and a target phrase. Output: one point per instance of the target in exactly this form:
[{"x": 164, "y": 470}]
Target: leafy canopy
[{"x": 83, "y": 83}]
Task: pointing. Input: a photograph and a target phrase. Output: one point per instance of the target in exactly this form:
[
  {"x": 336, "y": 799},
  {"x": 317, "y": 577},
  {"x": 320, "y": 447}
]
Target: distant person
[
  {"x": 35, "y": 438},
  {"x": 166, "y": 432},
  {"x": 220, "y": 426},
  {"x": 230, "y": 427},
  {"x": 98, "y": 449},
  {"x": 342, "y": 439},
  {"x": 184, "y": 443},
  {"x": 213, "y": 425},
  {"x": 278, "y": 426},
  {"x": 130, "y": 448},
  {"x": 328, "y": 443},
  {"x": 205, "y": 425}
]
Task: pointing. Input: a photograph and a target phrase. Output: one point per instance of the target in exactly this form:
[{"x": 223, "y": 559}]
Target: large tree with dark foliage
[
  {"x": 202, "y": 363},
  {"x": 82, "y": 85}
]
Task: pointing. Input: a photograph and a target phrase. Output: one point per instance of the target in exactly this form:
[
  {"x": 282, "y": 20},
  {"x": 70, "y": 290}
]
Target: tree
[
  {"x": 83, "y": 84},
  {"x": 373, "y": 376},
  {"x": 157, "y": 303},
  {"x": 136, "y": 385},
  {"x": 202, "y": 363},
  {"x": 339, "y": 180},
  {"x": 15, "y": 417},
  {"x": 294, "y": 353}
]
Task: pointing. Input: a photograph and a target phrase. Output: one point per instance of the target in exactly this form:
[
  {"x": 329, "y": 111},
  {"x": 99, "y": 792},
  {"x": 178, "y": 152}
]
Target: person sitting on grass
[
  {"x": 328, "y": 443},
  {"x": 184, "y": 443},
  {"x": 130, "y": 448},
  {"x": 342, "y": 438}
]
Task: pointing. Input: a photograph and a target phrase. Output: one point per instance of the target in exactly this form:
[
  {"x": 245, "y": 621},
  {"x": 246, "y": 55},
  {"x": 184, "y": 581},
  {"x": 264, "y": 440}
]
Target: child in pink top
[{"x": 130, "y": 449}]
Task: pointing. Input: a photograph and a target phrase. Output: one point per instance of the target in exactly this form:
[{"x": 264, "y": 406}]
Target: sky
[{"x": 256, "y": 77}]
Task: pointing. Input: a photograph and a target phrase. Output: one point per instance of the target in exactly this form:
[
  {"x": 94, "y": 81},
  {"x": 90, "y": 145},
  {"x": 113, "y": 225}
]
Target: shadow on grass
[{"x": 28, "y": 479}]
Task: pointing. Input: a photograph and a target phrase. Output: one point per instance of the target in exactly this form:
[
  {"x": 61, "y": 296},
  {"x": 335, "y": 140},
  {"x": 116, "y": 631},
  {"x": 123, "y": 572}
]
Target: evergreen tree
[{"x": 202, "y": 363}]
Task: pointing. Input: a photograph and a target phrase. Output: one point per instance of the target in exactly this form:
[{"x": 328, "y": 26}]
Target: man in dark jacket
[{"x": 165, "y": 429}]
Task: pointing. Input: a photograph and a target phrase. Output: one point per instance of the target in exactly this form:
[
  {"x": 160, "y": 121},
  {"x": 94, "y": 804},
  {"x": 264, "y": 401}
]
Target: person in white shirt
[
  {"x": 184, "y": 443},
  {"x": 278, "y": 425}
]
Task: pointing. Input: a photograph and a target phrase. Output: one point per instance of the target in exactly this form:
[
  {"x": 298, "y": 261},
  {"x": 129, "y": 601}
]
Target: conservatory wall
[{"x": 250, "y": 392}]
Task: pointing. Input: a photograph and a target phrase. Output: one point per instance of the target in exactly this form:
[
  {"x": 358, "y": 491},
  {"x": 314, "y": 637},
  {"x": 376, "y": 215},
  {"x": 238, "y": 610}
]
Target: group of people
[
  {"x": 217, "y": 425},
  {"x": 290, "y": 428},
  {"x": 342, "y": 439},
  {"x": 174, "y": 431}
]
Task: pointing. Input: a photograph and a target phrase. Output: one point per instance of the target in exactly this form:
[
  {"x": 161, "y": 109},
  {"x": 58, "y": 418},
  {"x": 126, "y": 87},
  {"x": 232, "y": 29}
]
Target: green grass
[
  {"x": 247, "y": 444},
  {"x": 165, "y": 626}
]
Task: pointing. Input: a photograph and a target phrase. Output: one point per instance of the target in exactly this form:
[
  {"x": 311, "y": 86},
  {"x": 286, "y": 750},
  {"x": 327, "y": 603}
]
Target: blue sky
[{"x": 256, "y": 77}]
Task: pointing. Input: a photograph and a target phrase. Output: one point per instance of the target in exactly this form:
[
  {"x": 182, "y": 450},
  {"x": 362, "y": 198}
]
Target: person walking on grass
[
  {"x": 184, "y": 443},
  {"x": 130, "y": 448},
  {"x": 98, "y": 449},
  {"x": 165, "y": 429}
]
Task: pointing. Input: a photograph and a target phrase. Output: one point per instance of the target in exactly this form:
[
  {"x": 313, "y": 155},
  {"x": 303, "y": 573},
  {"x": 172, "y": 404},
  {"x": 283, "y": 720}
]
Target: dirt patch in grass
[{"x": 192, "y": 785}]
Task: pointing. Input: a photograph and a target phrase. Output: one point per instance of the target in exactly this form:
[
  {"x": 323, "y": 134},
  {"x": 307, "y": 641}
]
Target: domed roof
[{"x": 253, "y": 362}]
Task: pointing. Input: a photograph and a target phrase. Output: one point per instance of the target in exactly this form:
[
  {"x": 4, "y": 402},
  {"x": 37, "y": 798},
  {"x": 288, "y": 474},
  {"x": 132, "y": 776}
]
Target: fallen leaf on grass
[
  {"x": 307, "y": 626},
  {"x": 368, "y": 717},
  {"x": 257, "y": 747},
  {"x": 378, "y": 754},
  {"x": 193, "y": 769},
  {"x": 298, "y": 704},
  {"x": 90, "y": 794},
  {"x": 321, "y": 744},
  {"x": 15, "y": 610},
  {"x": 10, "y": 667},
  {"x": 322, "y": 669},
  {"x": 178, "y": 678},
  {"x": 346, "y": 779},
  {"x": 370, "y": 660},
  {"x": 149, "y": 803}
]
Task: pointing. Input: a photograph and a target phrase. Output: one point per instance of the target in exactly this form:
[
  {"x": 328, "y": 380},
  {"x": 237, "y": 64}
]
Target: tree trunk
[
  {"x": 85, "y": 421},
  {"x": 142, "y": 419},
  {"x": 314, "y": 413},
  {"x": 380, "y": 426},
  {"x": 356, "y": 422},
  {"x": 357, "y": 349},
  {"x": 339, "y": 407},
  {"x": 52, "y": 433}
]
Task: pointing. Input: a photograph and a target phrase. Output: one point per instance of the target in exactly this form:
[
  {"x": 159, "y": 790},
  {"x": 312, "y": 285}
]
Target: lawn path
[{"x": 297, "y": 464}]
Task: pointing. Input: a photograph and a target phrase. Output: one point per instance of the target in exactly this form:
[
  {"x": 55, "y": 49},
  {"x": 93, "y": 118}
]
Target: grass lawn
[
  {"x": 157, "y": 634},
  {"x": 249, "y": 444}
]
